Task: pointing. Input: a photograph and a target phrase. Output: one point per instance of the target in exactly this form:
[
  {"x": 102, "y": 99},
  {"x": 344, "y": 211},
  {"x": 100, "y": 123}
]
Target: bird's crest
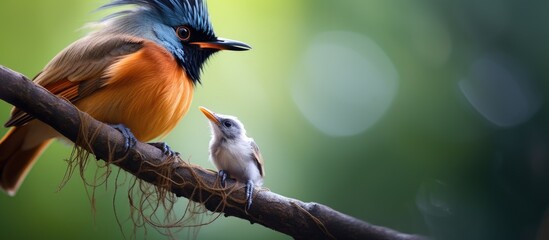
[{"x": 172, "y": 12}]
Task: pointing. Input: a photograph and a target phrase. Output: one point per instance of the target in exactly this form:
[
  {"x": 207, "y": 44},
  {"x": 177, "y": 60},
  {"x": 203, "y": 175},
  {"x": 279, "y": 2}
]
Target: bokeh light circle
[{"x": 344, "y": 83}]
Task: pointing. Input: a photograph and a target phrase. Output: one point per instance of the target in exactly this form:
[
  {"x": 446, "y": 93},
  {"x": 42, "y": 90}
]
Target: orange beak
[
  {"x": 224, "y": 44},
  {"x": 209, "y": 114}
]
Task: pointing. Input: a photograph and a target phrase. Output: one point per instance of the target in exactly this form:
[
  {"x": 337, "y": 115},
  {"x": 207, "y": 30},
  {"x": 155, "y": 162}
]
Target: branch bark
[{"x": 290, "y": 216}]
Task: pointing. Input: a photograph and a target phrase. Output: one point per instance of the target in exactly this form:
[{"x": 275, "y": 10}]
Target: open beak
[
  {"x": 210, "y": 115},
  {"x": 224, "y": 44}
]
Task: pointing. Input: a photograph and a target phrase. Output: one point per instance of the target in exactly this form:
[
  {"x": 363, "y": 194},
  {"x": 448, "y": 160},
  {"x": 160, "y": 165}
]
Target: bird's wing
[
  {"x": 256, "y": 155},
  {"x": 80, "y": 69}
]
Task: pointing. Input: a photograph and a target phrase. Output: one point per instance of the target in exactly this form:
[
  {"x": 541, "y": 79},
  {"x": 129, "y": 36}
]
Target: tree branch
[{"x": 290, "y": 216}]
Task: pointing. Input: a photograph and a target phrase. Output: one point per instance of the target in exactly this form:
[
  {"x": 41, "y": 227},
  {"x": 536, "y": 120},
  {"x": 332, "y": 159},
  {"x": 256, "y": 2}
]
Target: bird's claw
[
  {"x": 249, "y": 194},
  {"x": 167, "y": 150},
  {"x": 223, "y": 175},
  {"x": 129, "y": 139}
]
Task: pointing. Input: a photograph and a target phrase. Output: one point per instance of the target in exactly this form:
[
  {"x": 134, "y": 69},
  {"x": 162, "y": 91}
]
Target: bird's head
[
  {"x": 224, "y": 126},
  {"x": 182, "y": 27}
]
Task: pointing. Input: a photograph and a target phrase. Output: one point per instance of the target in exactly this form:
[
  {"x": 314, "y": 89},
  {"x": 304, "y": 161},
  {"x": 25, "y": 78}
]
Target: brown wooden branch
[{"x": 290, "y": 216}]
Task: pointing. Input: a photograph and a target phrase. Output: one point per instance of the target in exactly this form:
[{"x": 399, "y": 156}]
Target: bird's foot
[
  {"x": 167, "y": 150},
  {"x": 249, "y": 194},
  {"x": 223, "y": 175},
  {"x": 129, "y": 139}
]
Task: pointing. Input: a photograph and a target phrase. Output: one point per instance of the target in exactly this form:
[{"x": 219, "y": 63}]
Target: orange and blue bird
[{"x": 136, "y": 71}]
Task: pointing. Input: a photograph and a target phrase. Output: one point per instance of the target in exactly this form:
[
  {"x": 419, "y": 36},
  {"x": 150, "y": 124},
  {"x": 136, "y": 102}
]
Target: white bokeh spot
[
  {"x": 500, "y": 93},
  {"x": 344, "y": 84}
]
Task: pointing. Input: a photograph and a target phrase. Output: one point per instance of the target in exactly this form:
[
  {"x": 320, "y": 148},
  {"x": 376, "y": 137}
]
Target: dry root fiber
[{"x": 150, "y": 206}]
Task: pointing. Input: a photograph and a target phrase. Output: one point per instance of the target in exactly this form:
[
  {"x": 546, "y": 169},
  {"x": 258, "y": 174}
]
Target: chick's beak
[
  {"x": 224, "y": 44},
  {"x": 210, "y": 115}
]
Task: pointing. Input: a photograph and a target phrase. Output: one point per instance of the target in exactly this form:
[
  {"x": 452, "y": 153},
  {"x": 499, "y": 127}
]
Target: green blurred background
[{"x": 425, "y": 116}]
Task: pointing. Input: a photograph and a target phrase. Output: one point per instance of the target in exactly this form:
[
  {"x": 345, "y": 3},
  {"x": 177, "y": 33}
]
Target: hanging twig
[{"x": 290, "y": 216}]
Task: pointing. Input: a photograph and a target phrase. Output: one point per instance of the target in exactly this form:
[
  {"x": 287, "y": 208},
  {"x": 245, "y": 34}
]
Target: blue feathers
[
  {"x": 157, "y": 20},
  {"x": 172, "y": 12}
]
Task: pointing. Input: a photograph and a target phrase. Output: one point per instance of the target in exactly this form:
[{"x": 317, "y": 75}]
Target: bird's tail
[{"x": 15, "y": 160}]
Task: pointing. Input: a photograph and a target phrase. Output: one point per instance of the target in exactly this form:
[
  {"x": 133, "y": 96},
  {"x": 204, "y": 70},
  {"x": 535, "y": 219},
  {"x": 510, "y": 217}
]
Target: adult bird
[
  {"x": 135, "y": 71},
  {"x": 233, "y": 153}
]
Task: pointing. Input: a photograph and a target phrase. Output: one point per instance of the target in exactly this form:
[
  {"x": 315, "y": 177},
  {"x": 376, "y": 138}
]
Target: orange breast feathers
[{"x": 147, "y": 91}]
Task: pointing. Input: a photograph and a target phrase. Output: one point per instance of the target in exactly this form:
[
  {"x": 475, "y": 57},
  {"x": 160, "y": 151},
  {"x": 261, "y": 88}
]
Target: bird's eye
[
  {"x": 227, "y": 124},
  {"x": 183, "y": 33}
]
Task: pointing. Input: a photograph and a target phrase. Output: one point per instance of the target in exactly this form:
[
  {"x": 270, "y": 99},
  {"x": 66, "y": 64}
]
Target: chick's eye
[
  {"x": 183, "y": 33},
  {"x": 227, "y": 124}
]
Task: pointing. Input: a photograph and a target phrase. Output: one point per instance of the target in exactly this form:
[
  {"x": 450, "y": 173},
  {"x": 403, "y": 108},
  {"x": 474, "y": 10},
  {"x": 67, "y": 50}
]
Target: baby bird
[{"x": 233, "y": 153}]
